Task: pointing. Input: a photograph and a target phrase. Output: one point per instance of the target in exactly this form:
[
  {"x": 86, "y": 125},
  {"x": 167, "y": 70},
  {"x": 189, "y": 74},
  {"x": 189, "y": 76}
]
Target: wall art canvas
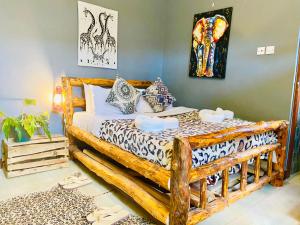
[
  {"x": 98, "y": 33},
  {"x": 210, "y": 39}
]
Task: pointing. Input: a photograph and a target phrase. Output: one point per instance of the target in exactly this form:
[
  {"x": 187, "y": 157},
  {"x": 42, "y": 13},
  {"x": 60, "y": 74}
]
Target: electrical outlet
[
  {"x": 270, "y": 50},
  {"x": 261, "y": 50}
]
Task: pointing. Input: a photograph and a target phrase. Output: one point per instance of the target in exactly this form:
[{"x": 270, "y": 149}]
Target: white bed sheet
[{"x": 90, "y": 122}]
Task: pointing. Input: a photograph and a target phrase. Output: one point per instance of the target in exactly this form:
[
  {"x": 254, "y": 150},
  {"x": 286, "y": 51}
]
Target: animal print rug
[{"x": 54, "y": 207}]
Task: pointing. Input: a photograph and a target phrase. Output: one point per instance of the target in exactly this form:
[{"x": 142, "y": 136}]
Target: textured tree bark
[
  {"x": 257, "y": 169},
  {"x": 225, "y": 181},
  {"x": 180, "y": 189},
  {"x": 282, "y": 133},
  {"x": 244, "y": 173},
  {"x": 203, "y": 193},
  {"x": 269, "y": 165}
]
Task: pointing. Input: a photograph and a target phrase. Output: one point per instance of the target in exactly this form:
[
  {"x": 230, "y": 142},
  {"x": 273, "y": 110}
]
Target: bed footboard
[{"x": 182, "y": 174}]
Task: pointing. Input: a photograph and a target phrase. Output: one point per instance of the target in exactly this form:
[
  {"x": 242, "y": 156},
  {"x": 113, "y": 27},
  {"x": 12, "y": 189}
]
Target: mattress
[{"x": 157, "y": 147}]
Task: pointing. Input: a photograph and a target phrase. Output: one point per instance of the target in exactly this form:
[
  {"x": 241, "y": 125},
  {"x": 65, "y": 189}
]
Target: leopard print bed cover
[{"x": 157, "y": 147}]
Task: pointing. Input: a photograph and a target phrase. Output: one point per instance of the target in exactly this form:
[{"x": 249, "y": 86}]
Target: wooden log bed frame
[{"x": 175, "y": 202}]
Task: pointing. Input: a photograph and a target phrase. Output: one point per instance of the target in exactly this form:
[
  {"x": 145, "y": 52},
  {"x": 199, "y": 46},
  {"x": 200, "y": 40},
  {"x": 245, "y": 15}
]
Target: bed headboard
[{"x": 72, "y": 102}]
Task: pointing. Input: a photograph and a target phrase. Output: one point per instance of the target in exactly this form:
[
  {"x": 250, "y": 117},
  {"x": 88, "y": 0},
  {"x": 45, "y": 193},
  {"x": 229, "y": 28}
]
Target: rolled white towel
[
  {"x": 155, "y": 124},
  {"x": 170, "y": 123},
  {"x": 212, "y": 116},
  {"x": 227, "y": 113}
]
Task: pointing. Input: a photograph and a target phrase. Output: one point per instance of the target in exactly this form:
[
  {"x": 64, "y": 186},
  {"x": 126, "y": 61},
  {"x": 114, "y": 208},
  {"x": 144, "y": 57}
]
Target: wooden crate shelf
[{"x": 38, "y": 155}]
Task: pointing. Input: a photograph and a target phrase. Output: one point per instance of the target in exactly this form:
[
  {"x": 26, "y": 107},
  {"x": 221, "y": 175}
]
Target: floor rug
[{"x": 54, "y": 207}]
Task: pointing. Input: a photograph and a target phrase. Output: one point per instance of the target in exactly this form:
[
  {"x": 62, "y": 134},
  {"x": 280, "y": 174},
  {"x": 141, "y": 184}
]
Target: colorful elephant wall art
[{"x": 210, "y": 38}]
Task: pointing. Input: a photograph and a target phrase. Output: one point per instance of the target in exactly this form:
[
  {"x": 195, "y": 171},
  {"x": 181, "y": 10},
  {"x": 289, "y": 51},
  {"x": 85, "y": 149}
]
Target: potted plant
[{"x": 24, "y": 126}]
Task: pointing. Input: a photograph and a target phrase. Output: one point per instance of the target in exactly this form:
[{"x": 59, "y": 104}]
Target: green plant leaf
[
  {"x": 29, "y": 124},
  {"x": 18, "y": 130},
  {"x": 28, "y": 101},
  {"x": 2, "y": 114},
  {"x": 7, "y": 125},
  {"x": 43, "y": 121}
]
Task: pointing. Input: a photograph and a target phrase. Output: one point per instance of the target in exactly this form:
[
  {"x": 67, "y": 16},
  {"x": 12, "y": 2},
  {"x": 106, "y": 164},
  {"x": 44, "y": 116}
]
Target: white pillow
[
  {"x": 101, "y": 107},
  {"x": 89, "y": 104},
  {"x": 95, "y": 99},
  {"x": 143, "y": 106}
]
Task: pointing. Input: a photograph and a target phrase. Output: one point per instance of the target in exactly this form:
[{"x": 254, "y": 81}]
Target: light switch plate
[
  {"x": 261, "y": 50},
  {"x": 270, "y": 50}
]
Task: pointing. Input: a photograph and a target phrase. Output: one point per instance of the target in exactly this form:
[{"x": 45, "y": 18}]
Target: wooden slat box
[{"x": 38, "y": 155}]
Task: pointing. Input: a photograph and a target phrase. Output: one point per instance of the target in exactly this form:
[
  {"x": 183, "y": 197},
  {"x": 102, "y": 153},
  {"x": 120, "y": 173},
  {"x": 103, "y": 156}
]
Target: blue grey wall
[
  {"x": 38, "y": 43},
  {"x": 255, "y": 88}
]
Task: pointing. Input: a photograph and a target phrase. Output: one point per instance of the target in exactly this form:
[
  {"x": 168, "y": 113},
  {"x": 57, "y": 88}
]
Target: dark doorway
[{"x": 293, "y": 157}]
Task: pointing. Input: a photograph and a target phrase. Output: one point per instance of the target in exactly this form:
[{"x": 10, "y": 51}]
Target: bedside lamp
[{"x": 58, "y": 99}]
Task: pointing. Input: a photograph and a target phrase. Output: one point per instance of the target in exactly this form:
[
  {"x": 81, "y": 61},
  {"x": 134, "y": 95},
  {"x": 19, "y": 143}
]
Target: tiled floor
[{"x": 269, "y": 206}]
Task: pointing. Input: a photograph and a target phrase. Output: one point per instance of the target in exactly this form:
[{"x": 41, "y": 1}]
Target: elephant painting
[{"x": 210, "y": 43}]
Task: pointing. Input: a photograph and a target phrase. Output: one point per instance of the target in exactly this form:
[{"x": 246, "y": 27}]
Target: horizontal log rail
[
  {"x": 205, "y": 140},
  {"x": 103, "y": 82},
  {"x": 151, "y": 200},
  {"x": 78, "y": 102},
  {"x": 147, "y": 169}
]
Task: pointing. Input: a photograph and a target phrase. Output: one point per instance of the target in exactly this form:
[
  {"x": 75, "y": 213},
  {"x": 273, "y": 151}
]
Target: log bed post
[
  {"x": 68, "y": 108},
  {"x": 282, "y": 133},
  {"x": 180, "y": 174}
]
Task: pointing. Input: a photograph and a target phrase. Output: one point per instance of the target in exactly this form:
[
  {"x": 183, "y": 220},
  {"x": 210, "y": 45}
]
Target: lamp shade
[{"x": 58, "y": 99}]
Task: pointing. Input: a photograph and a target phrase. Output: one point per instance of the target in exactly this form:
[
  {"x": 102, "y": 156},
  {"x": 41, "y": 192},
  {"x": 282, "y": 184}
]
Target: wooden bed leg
[
  {"x": 282, "y": 134},
  {"x": 180, "y": 188}
]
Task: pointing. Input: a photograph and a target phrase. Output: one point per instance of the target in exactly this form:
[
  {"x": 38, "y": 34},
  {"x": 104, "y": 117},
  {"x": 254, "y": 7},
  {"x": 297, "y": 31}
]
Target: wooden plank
[
  {"x": 225, "y": 162},
  {"x": 37, "y": 139},
  {"x": 10, "y": 174},
  {"x": 34, "y": 148},
  {"x": 43, "y": 155},
  {"x": 180, "y": 188},
  {"x": 257, "y": 169},
  {"x": 244, "y": 173},
  {"x": 20, "y": 166},
  {"x": 127, "y": 184},
  {"x": 205, "y": 140},
  {"x": 225, "y": 182},
  {"x": 147, "y": 169},
  {"x": 203, "y": 193}
]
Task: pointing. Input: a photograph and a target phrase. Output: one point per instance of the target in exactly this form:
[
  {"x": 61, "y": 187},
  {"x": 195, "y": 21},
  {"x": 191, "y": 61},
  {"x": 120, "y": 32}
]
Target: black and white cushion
[
  {"x": 158, "y": 96},
  {"x": 124, "y": 96}
]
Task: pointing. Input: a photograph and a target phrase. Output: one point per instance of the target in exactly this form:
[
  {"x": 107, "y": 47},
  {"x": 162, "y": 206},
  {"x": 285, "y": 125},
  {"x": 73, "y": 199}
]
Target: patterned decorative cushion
[
  {"x": 158, "y": 96},
  {"x": 124, "y": 96}
]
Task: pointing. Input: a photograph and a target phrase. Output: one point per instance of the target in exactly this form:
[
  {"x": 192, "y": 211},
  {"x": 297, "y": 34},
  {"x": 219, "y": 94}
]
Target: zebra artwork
[{"x": 97, "y": 36}]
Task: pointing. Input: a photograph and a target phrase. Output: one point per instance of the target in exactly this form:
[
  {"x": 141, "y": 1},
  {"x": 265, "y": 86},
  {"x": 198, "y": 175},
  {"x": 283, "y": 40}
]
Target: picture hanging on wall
[
  {"x": 97, "y": 41},
  {"x": 210, "y": 39}
]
